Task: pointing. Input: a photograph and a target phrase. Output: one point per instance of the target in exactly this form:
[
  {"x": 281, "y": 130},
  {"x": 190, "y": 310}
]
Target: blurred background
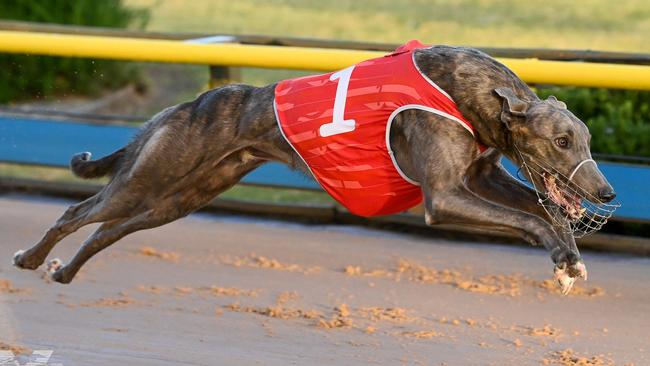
[{"x": 130, "y": 92}]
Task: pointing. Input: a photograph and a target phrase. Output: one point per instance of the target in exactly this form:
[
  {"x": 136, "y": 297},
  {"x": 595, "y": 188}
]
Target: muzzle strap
[{"x": 575, "y": 170}]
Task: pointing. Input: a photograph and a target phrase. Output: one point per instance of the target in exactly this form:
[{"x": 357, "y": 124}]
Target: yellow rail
[{"x": 321, "y": 59}]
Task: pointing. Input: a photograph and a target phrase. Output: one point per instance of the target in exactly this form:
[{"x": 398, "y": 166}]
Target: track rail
[{"x": 533, "y": 71}]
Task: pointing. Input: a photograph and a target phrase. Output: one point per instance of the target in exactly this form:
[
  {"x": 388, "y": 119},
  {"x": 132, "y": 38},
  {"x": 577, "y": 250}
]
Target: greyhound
[{"x": 188, "y": 154}]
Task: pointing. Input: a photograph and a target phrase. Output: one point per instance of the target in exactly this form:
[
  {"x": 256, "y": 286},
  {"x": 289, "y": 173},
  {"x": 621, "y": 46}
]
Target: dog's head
[{"x": 553, "y": 146}]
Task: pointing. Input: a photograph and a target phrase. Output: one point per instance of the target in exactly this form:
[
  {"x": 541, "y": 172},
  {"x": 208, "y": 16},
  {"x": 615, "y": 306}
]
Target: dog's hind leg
[
  {"x": 178, "y": 201},
  {"x": 111, "y": 203},
  {"x": 74, "y": 217},
  {"x": 108, "y": 233}
]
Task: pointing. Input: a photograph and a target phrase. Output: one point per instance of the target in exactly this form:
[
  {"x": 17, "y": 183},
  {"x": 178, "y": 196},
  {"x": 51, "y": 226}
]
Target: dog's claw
[
  {"x": 54, "y": 265},
  {"x": 563, "y": 279},
  {"x": 578, "y": 270},
  {"x": 566, "y": 275}
]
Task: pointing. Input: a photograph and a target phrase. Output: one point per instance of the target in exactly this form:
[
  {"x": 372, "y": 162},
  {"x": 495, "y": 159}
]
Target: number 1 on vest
[{"x": 339, "y": 125}]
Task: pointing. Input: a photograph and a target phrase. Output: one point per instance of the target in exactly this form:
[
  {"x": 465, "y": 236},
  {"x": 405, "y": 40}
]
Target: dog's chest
[{"x": 339, "y": 124}]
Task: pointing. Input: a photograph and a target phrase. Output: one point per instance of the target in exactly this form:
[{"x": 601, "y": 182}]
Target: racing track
[{"x": 225, "y": 290}]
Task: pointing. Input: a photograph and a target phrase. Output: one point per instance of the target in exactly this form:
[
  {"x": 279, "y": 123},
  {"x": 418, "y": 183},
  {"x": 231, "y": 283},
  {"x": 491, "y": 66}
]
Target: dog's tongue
[
  {"x": 571, "y": 204},
  {"x": 573, "y": 208},
  {"x": 553, "y": 192}
]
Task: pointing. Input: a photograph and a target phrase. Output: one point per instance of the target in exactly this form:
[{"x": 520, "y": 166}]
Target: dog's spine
[{"x": 82, "y": 167}]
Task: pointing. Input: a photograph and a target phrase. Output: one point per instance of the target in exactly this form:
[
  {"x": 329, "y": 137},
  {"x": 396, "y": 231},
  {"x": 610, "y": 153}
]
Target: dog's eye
[{"x": 562, "y": 142}]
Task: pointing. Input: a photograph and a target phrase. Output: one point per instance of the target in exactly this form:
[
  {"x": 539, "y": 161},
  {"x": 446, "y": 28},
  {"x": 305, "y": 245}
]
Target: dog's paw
[
  {"x": 578, "y": 270},
  {"x": 566, "y": 276},
  {"x": 21, "y": 260},
  {"x": 59, "y": 276},
  {"x": 563, "y": 279},
  {"x": 56, "y": 271},
  {"x": 83, "y": 156},
  {"x": 15, "y": 260},
  {"x": 54, "y": 265}
]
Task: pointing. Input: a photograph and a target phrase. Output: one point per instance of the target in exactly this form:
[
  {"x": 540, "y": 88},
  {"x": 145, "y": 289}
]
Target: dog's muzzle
[{"x": 570, "y": 207}]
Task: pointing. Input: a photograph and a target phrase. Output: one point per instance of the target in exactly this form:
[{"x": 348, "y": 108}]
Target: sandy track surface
[{"x": 222, "y": 290}]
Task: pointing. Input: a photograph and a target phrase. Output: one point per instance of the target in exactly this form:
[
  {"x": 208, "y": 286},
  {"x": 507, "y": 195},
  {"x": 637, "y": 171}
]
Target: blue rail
[
  {"x": 43, "y": 142},
  {"x": 32, "y": 141}
]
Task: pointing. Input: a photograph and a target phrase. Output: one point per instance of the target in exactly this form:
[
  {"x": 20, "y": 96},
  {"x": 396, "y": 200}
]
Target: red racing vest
[{"x": 339, "y": 124}]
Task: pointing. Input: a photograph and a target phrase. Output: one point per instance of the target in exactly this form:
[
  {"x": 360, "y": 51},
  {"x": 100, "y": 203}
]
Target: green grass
[
  {"x": 42, "y": 173},
  {"x": 276, "y": 195},
  {"x": 583, "y": 24}
]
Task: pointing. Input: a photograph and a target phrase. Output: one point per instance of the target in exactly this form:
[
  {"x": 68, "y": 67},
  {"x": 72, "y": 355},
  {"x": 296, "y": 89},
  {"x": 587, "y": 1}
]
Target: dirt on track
[{"x": 224, "y": 290}]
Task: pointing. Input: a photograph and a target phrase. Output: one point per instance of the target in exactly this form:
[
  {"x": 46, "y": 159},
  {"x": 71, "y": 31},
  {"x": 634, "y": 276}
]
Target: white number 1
[{"x": 339, "y": 124}]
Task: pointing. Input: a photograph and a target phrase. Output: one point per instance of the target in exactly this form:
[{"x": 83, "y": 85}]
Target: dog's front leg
[
  {"x": 488, "y": 179},
  {"x": 439, "y": 155},
  {"x": 458, "y": 205}
]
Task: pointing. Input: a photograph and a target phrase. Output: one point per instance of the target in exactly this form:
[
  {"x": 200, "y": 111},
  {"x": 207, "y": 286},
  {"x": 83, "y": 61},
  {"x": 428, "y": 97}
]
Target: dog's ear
[
  {"x": 513, "y": 109},
  {"x": 557, "y": 103}
]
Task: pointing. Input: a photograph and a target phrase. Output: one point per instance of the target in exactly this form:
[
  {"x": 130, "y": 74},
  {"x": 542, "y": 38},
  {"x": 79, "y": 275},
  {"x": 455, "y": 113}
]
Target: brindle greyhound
[{"x": 188, "y": 154}]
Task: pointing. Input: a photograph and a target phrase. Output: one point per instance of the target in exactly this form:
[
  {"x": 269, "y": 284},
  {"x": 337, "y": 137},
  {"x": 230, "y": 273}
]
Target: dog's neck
[{"x": 470, "y": 77}]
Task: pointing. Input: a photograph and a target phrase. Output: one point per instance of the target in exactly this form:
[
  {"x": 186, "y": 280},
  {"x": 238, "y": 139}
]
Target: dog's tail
[{"x": 82, "y": 167}]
